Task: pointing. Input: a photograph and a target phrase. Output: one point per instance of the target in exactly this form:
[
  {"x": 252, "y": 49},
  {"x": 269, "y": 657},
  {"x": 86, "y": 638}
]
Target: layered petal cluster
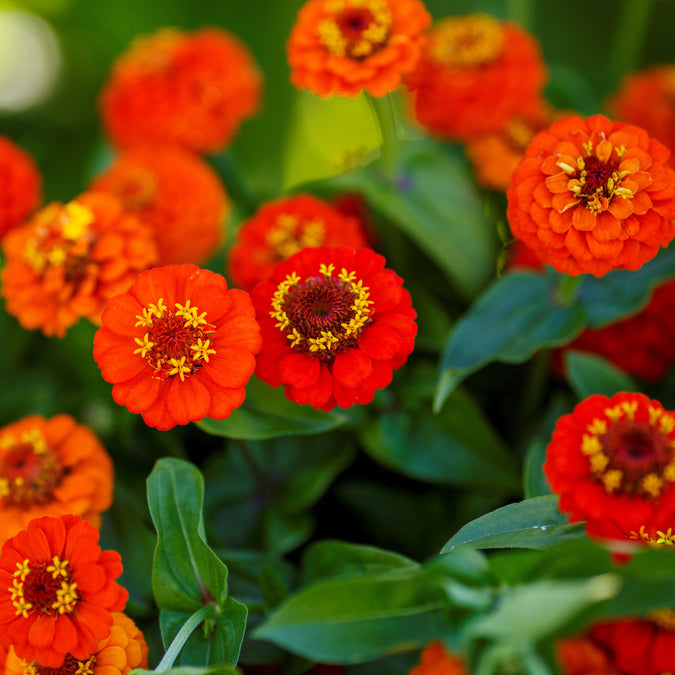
[
  {"x": 51, "y": 467},
  {"x": 118, "y": 654},
  {"x": 335, "y": 324},
  {"x": 592, "y": 196},
  {"x": 283, "y": 227},
  {"x": 175, "y": 192},
  {"x": 57, "y": 591},
  {"x": 647, "y": 99},
  {"x": 582, "y": 656},
  {"x": 68, "y": 260},
  {"x": 20, "y": 185},
  {"x": 344, "y": 47},
  {"x": 178, "y": 346},
  {"x": 613, "y": 461},
  {"x": 194, "y": 89},
  {"x": 437, "y": 660},
  {"x": 475, "y": 74}
]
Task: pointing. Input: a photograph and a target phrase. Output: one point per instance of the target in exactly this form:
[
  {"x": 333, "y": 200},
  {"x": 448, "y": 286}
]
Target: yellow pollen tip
[{"x": 75, "y": 220}]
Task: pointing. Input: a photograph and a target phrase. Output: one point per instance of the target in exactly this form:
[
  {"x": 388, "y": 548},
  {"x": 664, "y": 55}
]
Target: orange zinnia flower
[
  {"x": 57, "y": 590},
  {"x": 69, "y": 260},
  {"x": 335, "y": 324},
  {"x": 50, "y": 467},
  {"x": 614, "y": 460},
  {"x": 118, "y": 654},
  {"x": 177, "y": 193},
  {"x": 437, "y": 660},
  {"x": 647, "y": 99},
  {"x": 178, "y": 346},
  {"x": 194, "y": 89},
  {"x": 283, "y": 227},
  {"x": 475, "y": 74},
  {"x": 581, "y": 656},
  {"x": 592, "y": 196},
  {"x": 20, "y": 185},
  {"x": 346, "y": 46}
]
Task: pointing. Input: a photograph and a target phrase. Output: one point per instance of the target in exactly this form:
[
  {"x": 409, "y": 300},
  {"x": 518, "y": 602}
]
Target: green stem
[
  {"x": 521, "y": 12},
  {"x": 206, "y": 612},
  {"x": 383, "y": 109},
  {"x": 567, "y": 290},
  {"x": 629, "y": 36}
]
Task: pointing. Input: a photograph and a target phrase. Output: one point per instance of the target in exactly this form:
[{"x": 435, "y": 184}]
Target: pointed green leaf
[{"x": 591, "y": 374}]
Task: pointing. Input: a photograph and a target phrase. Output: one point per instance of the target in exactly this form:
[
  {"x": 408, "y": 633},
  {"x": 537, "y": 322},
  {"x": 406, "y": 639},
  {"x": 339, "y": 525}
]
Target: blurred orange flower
[
  {"x": 20, "y": 185},
  {"x": 118, "y": 654},
  {"x": 437, "y": 660},
  {"x": 346, "y": 46},
  {"x": 647, "y": 99},
  {"x": 177, "y": 193},
  {"x": 592, "y": 196},
  {"x": 283, "y": 227},
  {"x": 69, "y": 260},
  {"x": 178, "y": 346},
  {"x": 50, "y": 467},
  {"x": 475, "y": 74},
  {"x": 58, "y": 590},
  {"x": 581, "y": 656},
  {"x": 194, "y": 89}
]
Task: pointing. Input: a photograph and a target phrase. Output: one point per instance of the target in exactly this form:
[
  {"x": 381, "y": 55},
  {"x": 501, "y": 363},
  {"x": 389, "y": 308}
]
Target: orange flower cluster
[
  {"x": 20, "y": 185},
  {"x": 475, "y": 74},
  {"x": 193, "y": 89},
  {"x": 347, "y": 46},
  {"x": 118, "y": 654},
  {"x": 69, "y": 260},
  {"x": 51, "y": 467},
  {"x": 647, "y": 99},
  {"x": 178, "y": 346},
  {"x": 613, "y": 461},
  {"x": 437, "y": 660},
  {"x": 335, "y": 325},
  {"x": 175, "y": 192},
  {"x": 58, "y": 590},
  {"x": 592, "y": 196},
  {"x": 283, "y": 227}
]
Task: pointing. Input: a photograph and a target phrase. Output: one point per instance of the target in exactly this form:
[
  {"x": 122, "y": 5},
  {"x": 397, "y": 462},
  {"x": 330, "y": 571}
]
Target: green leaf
[
  {"x": 591, "y": 374},
  {"x": 358, "y": 618},
  {"x": 314, "y": 150},
  {"x": 514, "y": 318},
  {"x": 267, "y": 413},
  {"x": 533, "y": 523},
  {"x": 186, "y": 572},
  {"x": 457, "y": 447}
]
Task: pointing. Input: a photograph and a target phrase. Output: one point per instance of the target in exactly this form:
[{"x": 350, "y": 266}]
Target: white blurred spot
[{"x": 30, "y": 60}]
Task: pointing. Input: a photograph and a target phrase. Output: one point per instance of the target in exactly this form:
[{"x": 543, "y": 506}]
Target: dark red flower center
[
  {"x": 29, "y": 471},
  {"x": 324, "y": 314},
  {"x": 596, "y": 174},
  {"x": 136, "y": 188},
  {"x": 44, "y": 587},
  {"x": 70, "y": 666},
  {"x": 175, "y": 343}
]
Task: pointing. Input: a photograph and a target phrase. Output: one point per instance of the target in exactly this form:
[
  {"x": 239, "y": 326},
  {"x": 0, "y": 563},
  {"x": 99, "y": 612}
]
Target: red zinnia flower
[
  {"x": 20, "y": 185},
  {"x": 178, "y": 346},
  {"x": 50, "y": 467},
  {"x": 118, "y": 654},
  {"x": 592, "y": 196},
  {"x": 283, "y": 227},
  {"x": 581, "y": 656},
  {"x": 614, "y": 460},
  {"x": 437, "y": 660},
  {"x": 177, "y": 193},
  {"x": 57, "y": 590},
  {"x": 474, "y": 75},
  {"x": 194, "y": 89},
  {"x": 335, "y": 324},
  {"x": 647, "y": 99},
  {"x": 345, "y": 46},
  {"x": 69, "y": 260}
]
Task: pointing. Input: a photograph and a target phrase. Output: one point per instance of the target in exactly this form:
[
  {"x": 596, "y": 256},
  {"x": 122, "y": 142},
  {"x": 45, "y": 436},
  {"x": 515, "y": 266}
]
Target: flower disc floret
[
  {"x": 593, "y": 195},
  {"x": 347, "y": 46},
  {"x": 178, "y": 346},
  {"x": 614, "y": 460},
  {"x": 58, "y": 590},
  {"x": 335, "y": 324}
]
